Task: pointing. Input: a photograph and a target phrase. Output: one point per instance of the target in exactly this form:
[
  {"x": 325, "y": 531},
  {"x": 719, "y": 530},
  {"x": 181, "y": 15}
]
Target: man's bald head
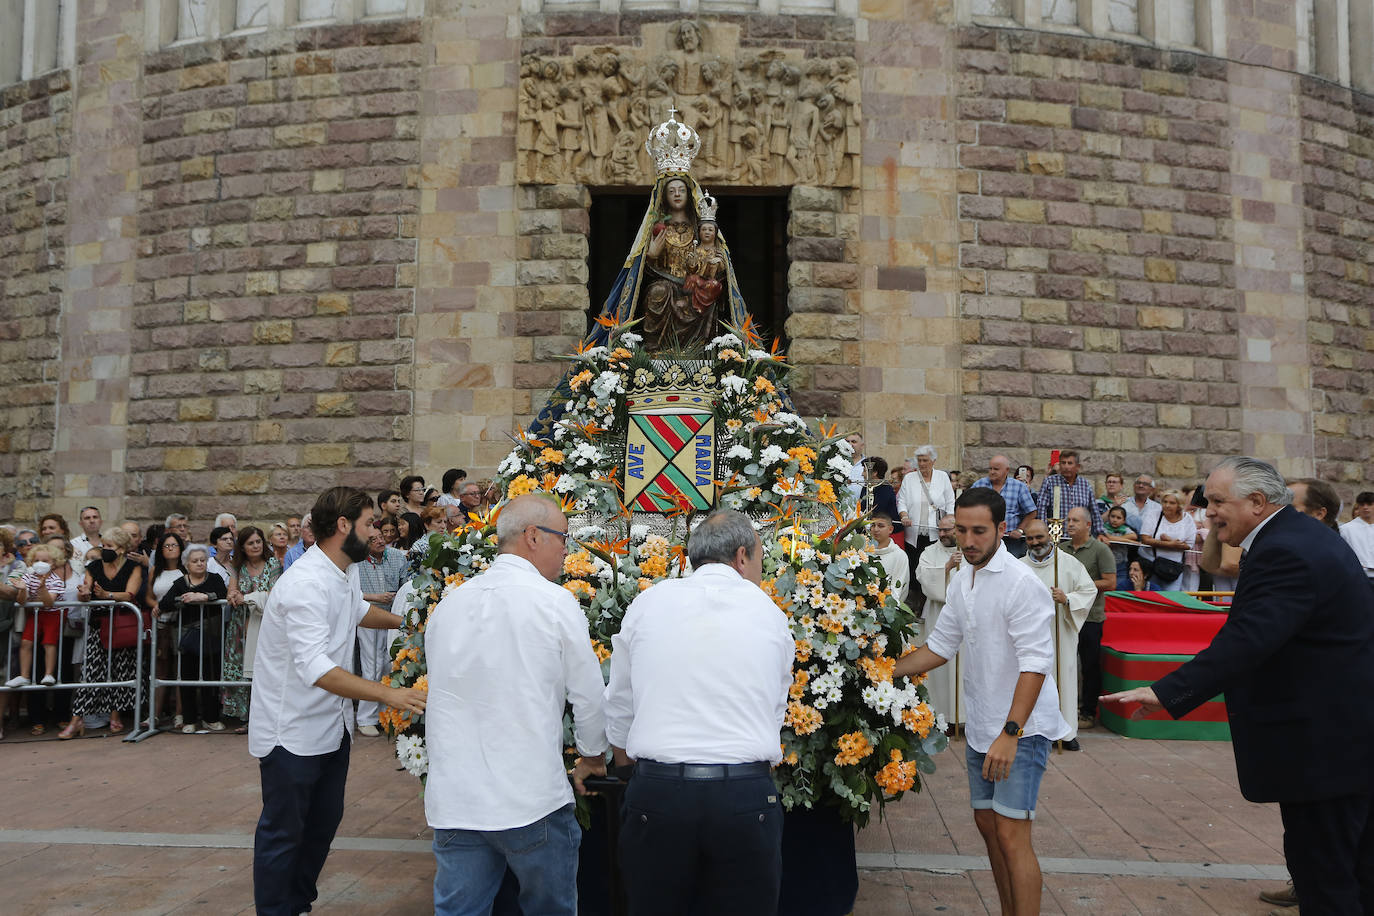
[
  {"x": 998, "y": 469},
  {"x": 1081, "y": 514}
]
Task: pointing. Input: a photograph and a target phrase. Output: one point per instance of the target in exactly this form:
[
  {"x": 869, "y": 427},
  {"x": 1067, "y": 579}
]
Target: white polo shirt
[
  {"x": 307, "y": 630},
  {"x": 1005, "y": 615}
]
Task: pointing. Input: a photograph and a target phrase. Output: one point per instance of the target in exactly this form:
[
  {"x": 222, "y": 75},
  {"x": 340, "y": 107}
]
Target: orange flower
[
  {"x": 655, "y": 567},
  {"x": 580, "y": 379},
  {"x": 799, "y": 681},
  {"x": 581, "y": 589},
  {"x": 877, "y": 670},
  {"x": 825, "y": 492},
  {"x": 520, "y": 486},
  {"x": 853, "y": 748},
  {"x": 762, "y": 384},
  {"x": 919, "y": 719},
  {"x": 579, "y": 565},
  {"x": 803, "y": 719},
  {"x": 602, "y": 653},
  {"x": 831, "y": 624},
  {"x": 803, "y": 651},
  {"x": 550, "y": 456},
  {"x": 644, "y": 583},
  {"x": 896, "y": 777}
]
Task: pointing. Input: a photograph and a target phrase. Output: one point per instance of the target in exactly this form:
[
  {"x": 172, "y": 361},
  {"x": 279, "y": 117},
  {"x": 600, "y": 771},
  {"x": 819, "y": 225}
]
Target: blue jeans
[
  {"x": 1013, "y": 797},
  {"x": 543, "y": 856}
]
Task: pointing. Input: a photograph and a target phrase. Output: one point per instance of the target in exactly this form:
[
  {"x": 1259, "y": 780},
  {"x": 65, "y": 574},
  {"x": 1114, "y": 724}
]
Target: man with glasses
[
  {"x": 470, "y": 496},
  {"x": 1141, "y": 509},
  {"x": 506, "y": 651}
]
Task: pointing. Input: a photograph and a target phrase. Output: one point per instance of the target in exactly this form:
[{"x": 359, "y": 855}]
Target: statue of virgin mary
[{"x": 653, "y": 284}]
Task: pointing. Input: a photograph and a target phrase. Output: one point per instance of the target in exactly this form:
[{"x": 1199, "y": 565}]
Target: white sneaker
[
  {"x": 369, "y": 731},
  {"x": 188, "y": 729},
  {"x": 48, "y": 680},
  {"x": 177, "y": 721},
  {"x": 215, "y": 726},
  {"x": 19, "y": 681}
]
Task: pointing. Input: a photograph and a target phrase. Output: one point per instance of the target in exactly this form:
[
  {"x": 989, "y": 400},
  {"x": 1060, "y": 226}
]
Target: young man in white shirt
[
  {"x": 1002, "y": 611},
  {"x": 506, "y": 651},
  {"x": 90, "y": 532},
  {"x": 301, "y": 719},
  {"x": 697, "y": 695},
  {"x": 1359, "y": 531}
]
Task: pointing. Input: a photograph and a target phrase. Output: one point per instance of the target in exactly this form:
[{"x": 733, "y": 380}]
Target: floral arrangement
[{"x": 853, "y": 738}]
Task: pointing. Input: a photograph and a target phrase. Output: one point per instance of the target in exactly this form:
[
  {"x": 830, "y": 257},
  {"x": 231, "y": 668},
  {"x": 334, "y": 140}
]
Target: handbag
[
  {"x": 119, "y": 630},
  {"x": 939, "y": 513},
  {"x": 1164, "y": 569}
]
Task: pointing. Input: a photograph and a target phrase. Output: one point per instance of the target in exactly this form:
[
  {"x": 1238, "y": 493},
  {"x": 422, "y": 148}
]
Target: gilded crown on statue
[{"x": 673, "y": 145}]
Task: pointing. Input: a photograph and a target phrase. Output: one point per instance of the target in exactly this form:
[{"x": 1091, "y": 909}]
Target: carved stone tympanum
[{"x": 769, "y": 117}]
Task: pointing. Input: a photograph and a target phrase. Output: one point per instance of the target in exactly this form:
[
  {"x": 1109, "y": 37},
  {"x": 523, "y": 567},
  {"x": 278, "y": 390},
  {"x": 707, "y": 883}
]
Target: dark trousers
[
  {"x": 915, "y": 597},
  {"x": 701, "y": 846},
  {"x": 1090, "y": 663},
  {"x": 302, "y": 804},
  {"x": 1329, "y": 846},
  {"x": 199, "y": 704}
]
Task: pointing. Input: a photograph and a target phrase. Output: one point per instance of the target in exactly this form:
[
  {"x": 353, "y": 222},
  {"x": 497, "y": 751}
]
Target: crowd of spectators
[{"x": 204, "y": 597}]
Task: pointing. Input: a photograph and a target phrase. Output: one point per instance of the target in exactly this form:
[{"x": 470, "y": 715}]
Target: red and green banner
[
  {"x": 1122, "y": 671},
  {"x": 670, "y": 461}
]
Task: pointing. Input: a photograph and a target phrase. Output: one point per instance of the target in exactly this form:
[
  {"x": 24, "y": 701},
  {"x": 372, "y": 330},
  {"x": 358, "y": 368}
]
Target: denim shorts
[{"x": 1013, "y": 797}]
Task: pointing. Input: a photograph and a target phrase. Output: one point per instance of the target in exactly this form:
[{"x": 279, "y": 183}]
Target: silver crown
[
  {"x": 673, "y": 145},
  {"x": 708, "y": 206}
]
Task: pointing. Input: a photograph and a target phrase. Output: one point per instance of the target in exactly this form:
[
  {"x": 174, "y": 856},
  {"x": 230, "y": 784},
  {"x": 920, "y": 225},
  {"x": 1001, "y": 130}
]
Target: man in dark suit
[{"x": 1295, "y": 659}]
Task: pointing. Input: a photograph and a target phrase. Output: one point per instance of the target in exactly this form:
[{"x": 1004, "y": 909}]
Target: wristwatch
[{"x": 1011, "y": 728}]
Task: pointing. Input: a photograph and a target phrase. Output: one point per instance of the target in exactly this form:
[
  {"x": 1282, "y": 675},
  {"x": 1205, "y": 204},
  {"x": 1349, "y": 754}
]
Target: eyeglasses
[
  {"x": 26, "y": 543},
  {"x": 553, "y": 531}
]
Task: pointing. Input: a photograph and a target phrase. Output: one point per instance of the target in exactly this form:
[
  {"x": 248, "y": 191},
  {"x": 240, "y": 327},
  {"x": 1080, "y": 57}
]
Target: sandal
[
  {"x": 116, "y": 727},
  {"x": 38, "y": 730}
]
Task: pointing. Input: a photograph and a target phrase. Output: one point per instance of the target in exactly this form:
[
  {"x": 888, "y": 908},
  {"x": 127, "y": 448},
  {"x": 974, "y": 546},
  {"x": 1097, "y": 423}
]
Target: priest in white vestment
[
  {"x": 937, "y": 564},
  {"x": 1074, "y": 593}
]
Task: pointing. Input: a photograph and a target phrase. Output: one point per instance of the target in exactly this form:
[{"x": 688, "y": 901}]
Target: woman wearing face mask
[
  {"x": 114, "y": 578},
  {"x": 198, "y": 638}
]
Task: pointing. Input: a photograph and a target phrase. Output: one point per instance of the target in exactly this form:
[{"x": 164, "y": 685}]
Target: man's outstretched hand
[{"x": 1145, "y": 696}]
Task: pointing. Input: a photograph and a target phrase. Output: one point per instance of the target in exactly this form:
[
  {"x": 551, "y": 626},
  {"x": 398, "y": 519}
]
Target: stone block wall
[
  {"x": 1097, "y": 262},
  {"x": 1338, "y": 198},
  {"x": 35, "y": 129},
  {"x": 274, "y": 309}
]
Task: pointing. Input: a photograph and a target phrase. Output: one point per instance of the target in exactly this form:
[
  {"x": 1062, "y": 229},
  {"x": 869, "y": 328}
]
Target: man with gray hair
[
  {"x": 698, "y": 691},
  {"x": 1295, "y": 660},
  {"x": 506, "y": 651}
]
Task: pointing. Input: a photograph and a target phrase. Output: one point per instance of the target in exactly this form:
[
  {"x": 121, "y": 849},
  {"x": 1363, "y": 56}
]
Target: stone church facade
[{"x": 252, "y": 248}]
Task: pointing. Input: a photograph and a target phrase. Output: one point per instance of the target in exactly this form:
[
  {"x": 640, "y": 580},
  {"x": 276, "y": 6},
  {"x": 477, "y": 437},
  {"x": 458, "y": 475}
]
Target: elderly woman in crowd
[
  {"x": 255, "y": 569},
  {"x": 925, "y": 496},
  {"x": 114, "y": 577},
  {"x": 199, "y": 640},
  {"x": 1174, "y": 533},
  {"x": 279, "y": 539}
]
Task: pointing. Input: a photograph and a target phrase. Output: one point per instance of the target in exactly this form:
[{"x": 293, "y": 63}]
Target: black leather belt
[{"x": 703, "y": 770}]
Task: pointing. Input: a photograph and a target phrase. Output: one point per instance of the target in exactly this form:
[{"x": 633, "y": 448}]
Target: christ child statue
[{"x": 705, "y": 269}]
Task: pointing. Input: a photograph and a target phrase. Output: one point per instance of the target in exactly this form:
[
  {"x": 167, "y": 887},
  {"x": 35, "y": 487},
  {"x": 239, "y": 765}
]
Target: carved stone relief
[{"x": 767, "y": 117}]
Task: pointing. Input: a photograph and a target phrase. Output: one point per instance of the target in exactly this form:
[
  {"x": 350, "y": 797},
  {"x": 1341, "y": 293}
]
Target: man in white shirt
[
  {"x": 506, "y": 651},
  {"x": 1002, "y": 611},
  {"x": 90, "y": 532},
  {"x": 1358, "y": 532},
  {"x": 938, "y": 564},
  {"x": 1142, "y": 510},
  {"x": 1074, "y": 592},
  {"x": 698, "y": 691},
  {"x": 301, "y": 719}
]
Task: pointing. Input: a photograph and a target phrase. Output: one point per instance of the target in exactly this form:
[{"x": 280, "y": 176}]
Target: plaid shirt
[
  {"x": 382, "y": 576},
  {"x": 1078, "y": 493},
  {"x": 1018, "y": 497}
]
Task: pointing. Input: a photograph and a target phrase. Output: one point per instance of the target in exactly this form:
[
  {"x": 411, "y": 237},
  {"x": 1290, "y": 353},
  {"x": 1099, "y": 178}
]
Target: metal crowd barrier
[
  {"x": 35, "y": 676},
  {"x": 221, "y": 607}
]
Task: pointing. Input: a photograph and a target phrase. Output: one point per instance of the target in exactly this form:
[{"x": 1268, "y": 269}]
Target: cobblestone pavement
[{"x": 165, "y": 826}]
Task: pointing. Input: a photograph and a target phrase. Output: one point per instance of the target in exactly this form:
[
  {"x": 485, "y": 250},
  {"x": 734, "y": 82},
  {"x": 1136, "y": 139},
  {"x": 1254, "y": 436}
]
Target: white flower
[
  {"x": 586, "y": 453},
  {"x": 840, "y": 465},
  {"x": 589, "y": 533},
  {"x": 870, "y": 696},
  {"x": 565, "y": 483},
  {"x": 724, "y": 340},
  {"x": 734, "y": 383},
  {"x": 630, "y": 340},
  {"x": 607, "y": 383},
  {"x": 844, "y": 448},
  {"x": 410, "y": 750},
  {"x": 771, "y": 455},
  {"x": 820, "y": 703},
  {"x": 941, "y": 723},
  {"x": 510, "y": 465},
  {"x": 829, "y": 652},
  {"x": 594, "y": 353},
  {"x": 783, "y": 418},
  {"x": 639, "y": 532},
  {"x": 760, "y": 354},
  {"x": 743, "y": 452}
]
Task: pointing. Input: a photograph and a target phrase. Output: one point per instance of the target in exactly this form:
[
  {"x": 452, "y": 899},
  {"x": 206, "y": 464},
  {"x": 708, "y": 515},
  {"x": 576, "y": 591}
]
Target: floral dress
[
  {"x": 236, "y": 699},
  {"x": 102, "y": 664}
]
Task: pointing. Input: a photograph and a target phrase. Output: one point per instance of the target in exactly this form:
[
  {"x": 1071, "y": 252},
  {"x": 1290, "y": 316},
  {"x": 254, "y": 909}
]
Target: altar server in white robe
[
  {"x": 938, "y": 564},
  {"x": 1074, "y": 593},
  {"x": 893, "y": 558}
]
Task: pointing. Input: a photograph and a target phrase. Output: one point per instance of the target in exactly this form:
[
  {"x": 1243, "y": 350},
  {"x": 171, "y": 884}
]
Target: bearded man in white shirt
[
  {"x": 698, "y": 691},
  {"x": 301, "y": 719},
  {"x": 1074, "y": 593},
  {"x": 1001, "y": 610},
  {"x": 939, "y": 562},
  {"x": 506, "y": 651}
]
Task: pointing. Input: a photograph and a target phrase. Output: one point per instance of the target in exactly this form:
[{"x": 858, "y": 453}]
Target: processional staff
[{"x": 1056, "y": 529}]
